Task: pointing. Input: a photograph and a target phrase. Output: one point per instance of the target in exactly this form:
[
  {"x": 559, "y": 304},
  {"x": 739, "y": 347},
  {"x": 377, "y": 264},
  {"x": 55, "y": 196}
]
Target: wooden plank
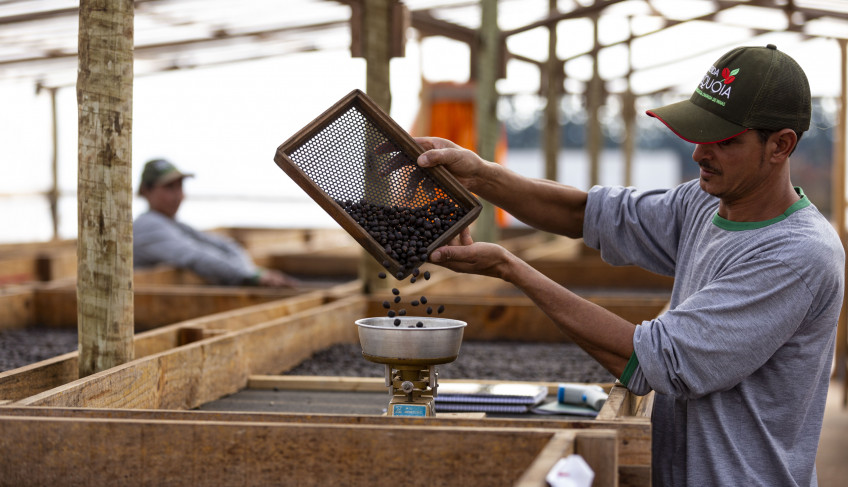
[
  {"x": 496, "y": 317},
  {"x": 37, "y": 261},
  {"x": 336, "y": 383},
  {"x": 17, "y": 269},
  {"x": 200, "y": 372},
  {"x": 600, "y": 450},
  {"x": 617, "y": 404},
  {"x": 165, "y": 275},
  {"x": 593, "y": 272},
  {"x": 17, "y": 307},
  {"x": 632, "y": 442},
  {"x": 633, "y": 437},
  {"x": 338, "y": 261},
  {"x": 157, "y": 306},
  {"x": 561, "y": 445},
  {"x": 36, "y": 378},
  {"x": 74, "y": 451},
  {"x": 602, "y": 444}
]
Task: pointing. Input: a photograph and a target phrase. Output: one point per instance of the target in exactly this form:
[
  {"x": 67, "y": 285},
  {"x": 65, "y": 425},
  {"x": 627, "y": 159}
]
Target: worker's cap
[
  {"x": 747, "y": 88},
  {"x": 160, "y": 171}
]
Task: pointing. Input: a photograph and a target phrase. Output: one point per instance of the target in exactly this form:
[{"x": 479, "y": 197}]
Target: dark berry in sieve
[
  {"x": 402, "y": 312},
  {"x": 415, "y": 272},
  {"x": 441, "y": 308},
  {"x": 397, "y": 299},
  {"x": 429, "y": 310},
  {"x": 426, "y": 275},
  {"x": 391, "y": 313},
  {"x": 381, "y": 275},
  {"x": 386, "y": 305},
  {"x": 385, "y": 263},
  {"x": 399, "y": 275},
  {"x": 395, "y": 291},
  {"x": 414, "y": 302},
  {"x": 419, "y": 324},
  {"x": 423, "y": 299},
  {"x": 397, "y": 322}
]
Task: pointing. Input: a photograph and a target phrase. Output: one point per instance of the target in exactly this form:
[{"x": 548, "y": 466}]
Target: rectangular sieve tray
[{"x": 360, "y": 166}]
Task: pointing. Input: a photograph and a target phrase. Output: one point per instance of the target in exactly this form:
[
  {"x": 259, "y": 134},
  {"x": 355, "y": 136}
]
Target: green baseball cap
[
  {"x": 160, "y": 171},
  {"x": 747, "y": 88}
]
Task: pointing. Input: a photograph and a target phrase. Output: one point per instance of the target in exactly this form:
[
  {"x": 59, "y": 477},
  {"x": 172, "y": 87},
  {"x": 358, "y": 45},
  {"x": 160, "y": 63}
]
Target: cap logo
[
  {"x": 729, "y": 75},
  {"x": 716, "y": 86}
]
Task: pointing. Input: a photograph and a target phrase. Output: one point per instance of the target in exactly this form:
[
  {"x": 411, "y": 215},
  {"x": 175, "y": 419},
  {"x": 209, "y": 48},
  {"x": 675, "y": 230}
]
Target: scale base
[{"x": 400, "y": 405}]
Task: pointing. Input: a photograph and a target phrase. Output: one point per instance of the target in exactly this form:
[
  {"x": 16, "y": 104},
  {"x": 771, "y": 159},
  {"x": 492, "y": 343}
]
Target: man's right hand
[{"x": 462, "y": 163}]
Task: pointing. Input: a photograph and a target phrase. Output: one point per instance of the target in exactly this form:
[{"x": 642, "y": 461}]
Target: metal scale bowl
[{"x": 410, "y": 354}]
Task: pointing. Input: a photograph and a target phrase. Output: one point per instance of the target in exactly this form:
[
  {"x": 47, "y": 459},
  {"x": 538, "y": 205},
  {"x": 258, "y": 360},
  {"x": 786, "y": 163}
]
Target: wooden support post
[
  {"x": 377, "y": 22},
  {"x": 628, "y": 113},
  {"x": 552, "y": 81},
  {"x": 838, "y": 198},
  {"x": 53, "y": 194},
  {"x": 486, "y": 106},
  {"x": 104, "y": 253},
  {"x": 594, "y": 100},
  {"x": 628, "y": 106}
]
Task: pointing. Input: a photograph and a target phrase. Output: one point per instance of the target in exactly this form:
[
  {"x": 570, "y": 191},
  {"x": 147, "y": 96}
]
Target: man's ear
[{"x": 783, "y": 142}]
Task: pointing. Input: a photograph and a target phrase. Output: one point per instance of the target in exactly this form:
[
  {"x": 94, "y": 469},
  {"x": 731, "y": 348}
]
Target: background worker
[
  {"x": 740, "y": 363},
  {"x": 159, "y": 238}
]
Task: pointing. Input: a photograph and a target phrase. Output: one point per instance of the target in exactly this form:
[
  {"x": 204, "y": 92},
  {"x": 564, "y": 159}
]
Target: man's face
[
  {"x": 732, "y": 168},
  {"x": 165, "y": 198}
]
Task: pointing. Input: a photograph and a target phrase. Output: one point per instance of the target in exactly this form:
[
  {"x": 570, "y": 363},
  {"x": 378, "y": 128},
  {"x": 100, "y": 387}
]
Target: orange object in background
[{"x": 448, "y": 111}]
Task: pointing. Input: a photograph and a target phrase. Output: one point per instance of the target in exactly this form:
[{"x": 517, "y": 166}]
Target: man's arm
[
  {"x": 605, "y": 336},
  {"x": 540, "y": 203}
]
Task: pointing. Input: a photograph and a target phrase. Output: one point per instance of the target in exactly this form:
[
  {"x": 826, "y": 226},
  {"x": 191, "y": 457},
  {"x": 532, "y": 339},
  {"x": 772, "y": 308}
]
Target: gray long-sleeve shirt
[
  {"x": 741, "y": 361},
  {"x": 158, "y": 239}
]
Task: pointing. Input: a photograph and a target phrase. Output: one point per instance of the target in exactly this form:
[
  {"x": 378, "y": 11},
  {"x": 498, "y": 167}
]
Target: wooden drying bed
[{"x": 134, "y": 424}]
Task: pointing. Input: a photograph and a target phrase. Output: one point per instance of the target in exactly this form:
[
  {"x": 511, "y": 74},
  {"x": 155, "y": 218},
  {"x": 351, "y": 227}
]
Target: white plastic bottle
[{"x": 591, "y": 395}]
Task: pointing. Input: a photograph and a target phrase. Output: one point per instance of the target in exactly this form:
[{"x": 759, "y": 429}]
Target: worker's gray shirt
[
  {"x": 741, "y": 362},
  {"x": 158, "y": 239}
]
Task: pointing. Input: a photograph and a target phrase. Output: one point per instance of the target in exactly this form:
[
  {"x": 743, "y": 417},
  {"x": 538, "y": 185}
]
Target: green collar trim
[
  {"x": 629, "y": 369},
  {"x": 732, "y": 226}
]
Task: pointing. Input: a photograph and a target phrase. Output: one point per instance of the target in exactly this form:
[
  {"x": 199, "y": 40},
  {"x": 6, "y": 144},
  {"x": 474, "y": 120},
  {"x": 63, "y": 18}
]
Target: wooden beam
[
  {"x": 157, "y": 306},
  {"x": 496, "y": 317},
  {"x": 840, "y": 160},
  {"x": 57, "y": 371},
  {"x": 552, "y": 82},
  {"x": 594, "y": 9},
  {"x": 101, "y": 451},
  {"x": 191, "y": 375},
  {"x": 485, "y": 71},
  {"x": 104, "y": 97},
  {"x": 631, "y": 435},
  {"x": 560, "y": 446},
  {"x": 17, "y": 307}
]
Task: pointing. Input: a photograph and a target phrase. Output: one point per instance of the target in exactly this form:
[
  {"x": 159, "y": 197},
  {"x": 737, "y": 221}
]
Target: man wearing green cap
[
  {"x": 159, "y": 238},
  {"x": 740, "y": 363}
]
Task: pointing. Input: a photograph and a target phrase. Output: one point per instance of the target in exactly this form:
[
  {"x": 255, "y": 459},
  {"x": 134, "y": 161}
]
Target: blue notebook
[
  {"x": 490, "y": 394},
  {"x": 450, "y": 407}
]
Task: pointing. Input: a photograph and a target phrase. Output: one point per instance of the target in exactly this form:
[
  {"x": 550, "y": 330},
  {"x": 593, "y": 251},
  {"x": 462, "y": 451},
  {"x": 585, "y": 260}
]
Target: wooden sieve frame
[{"x": 406, "y": 144}]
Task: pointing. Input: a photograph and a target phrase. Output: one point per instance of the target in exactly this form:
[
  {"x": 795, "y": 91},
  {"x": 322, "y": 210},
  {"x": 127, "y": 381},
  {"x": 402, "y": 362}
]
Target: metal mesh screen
[
  {"x": 354, "y": 160},
  {"x": 381, "y": 187}
]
